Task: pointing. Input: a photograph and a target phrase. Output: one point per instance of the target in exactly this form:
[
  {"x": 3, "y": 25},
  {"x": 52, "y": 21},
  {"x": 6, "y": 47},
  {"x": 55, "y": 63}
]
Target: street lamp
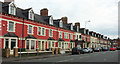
[
  {"x": 85, "y": 27},
  {"x": 86, "y": 23}
]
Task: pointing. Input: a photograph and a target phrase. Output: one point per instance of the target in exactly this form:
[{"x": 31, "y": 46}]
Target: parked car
[
  {"x": 85, "y": 50},
  {"x": 90, "y": 50},
  {"x": 77, "y": 50},
  {"x": 118, "y": 48},
  {"x": 112, "y": 49},
  {"x": 100, "y": 48},
  {"x": 97, "y": 49},
  {"x": 104, "y": 49}
]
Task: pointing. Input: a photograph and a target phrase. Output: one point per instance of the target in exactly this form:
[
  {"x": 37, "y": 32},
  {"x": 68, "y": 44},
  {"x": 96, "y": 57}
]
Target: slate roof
[
  {"x": 30, "y": 36},
  {"x": 23, "y": 13},
  {"x": 50, "y": 38},
  {"x": 10, "y": 35}
]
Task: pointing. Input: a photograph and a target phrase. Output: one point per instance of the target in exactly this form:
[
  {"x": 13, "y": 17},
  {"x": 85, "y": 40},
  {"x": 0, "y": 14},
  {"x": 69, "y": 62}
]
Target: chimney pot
[
  {"x": 77, "y": 24},
  {"x": 65, "y": 20},
  {"x": 8, "y": 0},
  {"x": 44, "y": 12}
]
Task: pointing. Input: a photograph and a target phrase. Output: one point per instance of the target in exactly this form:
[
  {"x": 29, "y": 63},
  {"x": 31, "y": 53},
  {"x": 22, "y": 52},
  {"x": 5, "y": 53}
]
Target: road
[{"x": 108, "y": 56}]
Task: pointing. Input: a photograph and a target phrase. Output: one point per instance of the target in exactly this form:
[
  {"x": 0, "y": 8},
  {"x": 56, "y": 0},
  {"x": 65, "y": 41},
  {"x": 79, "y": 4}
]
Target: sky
[{"x": 103, "y": 14}]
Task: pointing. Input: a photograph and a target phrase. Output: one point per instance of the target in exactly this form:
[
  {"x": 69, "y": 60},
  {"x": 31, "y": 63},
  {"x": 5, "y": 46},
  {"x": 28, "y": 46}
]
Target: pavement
[
  {"x": 13, "y": 59},
  {"x": 107, "y": 56}
]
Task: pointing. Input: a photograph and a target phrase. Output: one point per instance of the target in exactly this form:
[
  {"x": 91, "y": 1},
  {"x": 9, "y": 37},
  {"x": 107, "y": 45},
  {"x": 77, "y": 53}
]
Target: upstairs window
[
  {"x": 61, "y": 24},
  {"x": 71, "y": 36},
  {"x": 67, "y": 35},
  {"x": 60, "y": 34},
  {"x": 76, "y": 36},
  {"x": 11, "y": 26},
  {"x": 31, "y": 15},
  {"x": 43, "y": 31},
  {"x": 51, "y": 20},
  {"x": 77, "y": 28},
  {"x": 30, "y": 29},
  {"x": 50, "y": 32},
  {"x": 71, "y": 27},
  {"x": 12, "y": 9},
  {"x": 39, "y": 30}
]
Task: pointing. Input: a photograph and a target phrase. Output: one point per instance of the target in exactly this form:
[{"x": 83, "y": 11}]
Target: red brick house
[{"x": 26, "y": 29}]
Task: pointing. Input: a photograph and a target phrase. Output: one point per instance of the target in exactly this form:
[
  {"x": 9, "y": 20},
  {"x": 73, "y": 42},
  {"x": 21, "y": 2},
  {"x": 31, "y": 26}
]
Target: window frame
[
  {"x": 12, "y": 5},
  {"x": 71, "y": 36},
  {"x": 31, "y": 30},
  {"x": 60, "y": 33},
  {"x": 50, "y": 33},
  {"x": 31, "y": 13},
  {"x": 39, "y": 30},
  {"x": 9, "y": 26}
]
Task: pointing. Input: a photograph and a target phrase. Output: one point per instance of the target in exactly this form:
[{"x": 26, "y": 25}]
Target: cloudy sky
[{"x": 103, "y": 14}]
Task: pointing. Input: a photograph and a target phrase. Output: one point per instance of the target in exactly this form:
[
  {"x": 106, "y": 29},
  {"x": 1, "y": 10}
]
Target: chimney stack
[
  {"x": 44, "y": 12},
  {"x": 64, "y": 20},
  {"x": 8, "y": 0},
  {"x": 77, "y": 24}
]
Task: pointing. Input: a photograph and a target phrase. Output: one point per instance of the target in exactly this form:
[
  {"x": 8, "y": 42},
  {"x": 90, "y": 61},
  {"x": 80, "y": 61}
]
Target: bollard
[
  {"x": 6, "y": 53},
  {"x": 53, "y": 51},
  {"x": 15, "y": 52},
  {"x": 59, "y": 50},
  {"x": 56, "y": 50}
]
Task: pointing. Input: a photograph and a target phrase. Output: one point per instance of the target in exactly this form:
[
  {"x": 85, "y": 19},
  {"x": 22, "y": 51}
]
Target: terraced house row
[{"x": 23, "y": 28}]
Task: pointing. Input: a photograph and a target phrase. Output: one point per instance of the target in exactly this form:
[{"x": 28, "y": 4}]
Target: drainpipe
[{"x": 22, "y": 32}]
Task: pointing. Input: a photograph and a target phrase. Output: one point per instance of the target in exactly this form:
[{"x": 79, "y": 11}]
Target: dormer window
[
  {"x": 71, "y": 27},
  {"x": 51, "y": 20},
  {"x": 61, "y": 24},
  {"x": 31, "y": 15},
  {"x": 77, "y": 28},
  {"x": 12, "y": 8}
]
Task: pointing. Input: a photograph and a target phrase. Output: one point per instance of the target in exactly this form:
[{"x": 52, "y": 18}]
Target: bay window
[
  {"x": 60, "y": 34},
  {"x": 50, "y": 33},
  {"x": 39, "y": 30},
  {"x": 71, "y": 36}
]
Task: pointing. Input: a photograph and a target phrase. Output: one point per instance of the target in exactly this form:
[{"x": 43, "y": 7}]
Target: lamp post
[{"x": 85, "y": 28}]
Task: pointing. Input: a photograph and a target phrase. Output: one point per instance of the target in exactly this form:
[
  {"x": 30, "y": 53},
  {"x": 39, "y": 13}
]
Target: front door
[{"x": 13, "y": 43}]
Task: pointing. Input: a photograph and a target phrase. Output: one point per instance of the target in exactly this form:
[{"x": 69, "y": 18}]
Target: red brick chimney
[
  {"x": 8, "y": 0},
  {"x": 77, "y": 24},
  {"x": 44, "y": 12},
  {"x": 65, "y": 20}
]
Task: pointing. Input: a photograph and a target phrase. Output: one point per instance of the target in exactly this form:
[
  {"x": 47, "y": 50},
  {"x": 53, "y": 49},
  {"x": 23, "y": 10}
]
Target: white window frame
[
  {"x": 52, "y": 44},
  {"x": 71, "y": 36},
  {"x": 67, "y": 36},
  {"x": 38, "y": 31},
  {"x": 61, "y": 24},
  {"x": 30, "y": 44},
  {"x": 77, "y": 28},
  {"x": 42, "y": 31},
  {"x": 13, "y": 26},
  {"x": 9, "y": 42},
  {"x": 51, "y": 20},
  {"x": 32, "y": 29},
  {"x": 71, "y": 26},
  {"x": 59, "y": 34},
  {"x": 31, "y": 11},
  {"x": 14, "y": 6},
  {"x": 49, "y": 33}
]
